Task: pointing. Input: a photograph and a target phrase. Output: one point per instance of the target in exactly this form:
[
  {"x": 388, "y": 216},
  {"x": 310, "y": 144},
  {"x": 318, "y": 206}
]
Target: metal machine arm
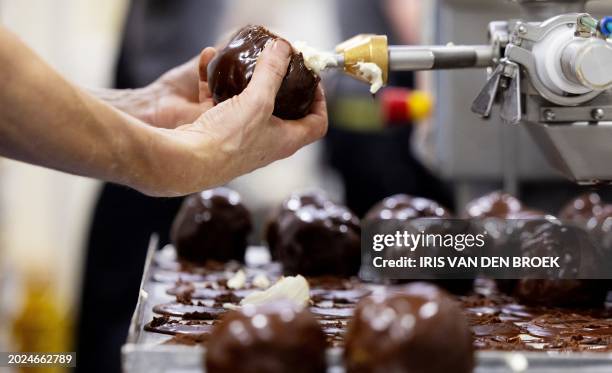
[{"x": 554, "y": 76}]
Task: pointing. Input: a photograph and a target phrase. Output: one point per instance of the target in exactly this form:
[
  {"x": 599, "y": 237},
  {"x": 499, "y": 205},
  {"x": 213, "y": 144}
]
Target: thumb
[
  {"x": 205, "y": 57},
  {"x": 270, "y": 70}
]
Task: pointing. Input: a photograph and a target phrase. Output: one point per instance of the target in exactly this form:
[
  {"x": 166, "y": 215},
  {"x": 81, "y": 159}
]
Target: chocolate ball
[
  {"x": 497, "y": 214},
  {"x": 317, "y": 237},
  {"x": 402, "y": 207},
  {"x": 211, "y": 225},
  {"x": 402, "y": 212},
  {"x": 230, "y": 72},
  {"x": 600, "y": 227},
  {"x": 419, "y": 329},
  {"x": 494, "y": 205},
  {"x": 295, "y": 202},
  {"x": 277, "y": 337},
  {"x": 582, "y": 209},
  {"x": 580, "y": 257}
]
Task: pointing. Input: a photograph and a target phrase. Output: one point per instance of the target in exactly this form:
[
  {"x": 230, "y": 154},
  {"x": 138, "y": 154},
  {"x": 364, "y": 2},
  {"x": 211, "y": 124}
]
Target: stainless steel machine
[{"x": 549, "y": 82}]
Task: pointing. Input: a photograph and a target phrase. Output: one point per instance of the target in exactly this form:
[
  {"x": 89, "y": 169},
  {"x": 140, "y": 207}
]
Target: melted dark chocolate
[
  {"x": 332, "y": 313},
  {"x": 403, "y": 207},
  {"x": 175, "y": 327},
  {"x": 207, "y": 293},
  {"x": 582, "y": 209},
  {"x": 500, "y": 324},
  {"x": 231, "y": 70},
  {"x": 211, "y": 225},
  {"x": 339, "y": 296},
  {"x": 494, "y": 205},
  {"x": 189, "y": 311}
]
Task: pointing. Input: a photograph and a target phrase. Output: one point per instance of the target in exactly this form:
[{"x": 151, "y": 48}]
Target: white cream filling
[
  {"x": 314, "y": 59},
  {"x": 261, "y": 281},
  {"x": 294, "y": 289},
  {"x": 372, "y": 73},
  {"x": 237, "y": 281}
]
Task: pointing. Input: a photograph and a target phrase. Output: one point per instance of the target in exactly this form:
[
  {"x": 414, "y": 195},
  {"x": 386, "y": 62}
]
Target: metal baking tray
[{"x": 145, "y": 352}]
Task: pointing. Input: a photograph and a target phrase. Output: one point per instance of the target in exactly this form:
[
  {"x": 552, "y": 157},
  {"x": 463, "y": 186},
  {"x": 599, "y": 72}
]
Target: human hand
[
  {"x": 172, "y": 100},
  {"x": 236, "y": 136},
  {"x": 176, "y": 97}
]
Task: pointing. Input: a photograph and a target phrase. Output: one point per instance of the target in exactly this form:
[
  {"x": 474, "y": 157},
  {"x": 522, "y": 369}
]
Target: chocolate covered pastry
[
  {"x": 530, "y": 320},
  {"x": 274, "y": 338},
  {"x": 580, "y": 258},
  {"x": 314, "y": 237},
  {"x": 402, "y": 207},
  {"x": 494, "y": 205},
  {"x": 289, "y": 206},
  {"x": 500, "y": 215},
  {"x": 600, "y": 227},
  {"x": 230, "y": 72},
  {"x": 416, "y": 214},
  {"x": 211, "y": 225},
  {"x": 582, "y": 209},
  {"x": 417, "y": 329}
]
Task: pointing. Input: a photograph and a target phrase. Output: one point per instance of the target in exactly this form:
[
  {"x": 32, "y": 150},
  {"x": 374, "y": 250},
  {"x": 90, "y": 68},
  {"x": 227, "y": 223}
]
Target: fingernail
[{"x": 281, "y": 46}]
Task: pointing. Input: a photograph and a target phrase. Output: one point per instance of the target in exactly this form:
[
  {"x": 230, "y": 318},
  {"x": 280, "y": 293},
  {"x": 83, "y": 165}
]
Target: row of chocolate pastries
[
  {"x": 313, "y": 236},
  {"x": 401, "y": 329},
  {"x": 307, "y": 235}
]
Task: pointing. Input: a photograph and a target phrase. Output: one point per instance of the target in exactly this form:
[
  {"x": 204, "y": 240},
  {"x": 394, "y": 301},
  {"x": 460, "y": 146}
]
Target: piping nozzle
[{"x": 364, "y": 48}]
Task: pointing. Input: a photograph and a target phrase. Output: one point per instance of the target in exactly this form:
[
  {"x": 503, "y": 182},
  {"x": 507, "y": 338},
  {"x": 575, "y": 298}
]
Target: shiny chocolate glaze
[
  {"x": 600, "y": 226},
  {"x": 211, "y": 225},
  {"x": 405, "y": 212},
  {"x": 551, "y": 237},
  {"x": 420, "y": 329},
  {"x": 315, "y": 237},
  {"x": 494, "y": 205},
  {"x": 582, "y": 209},
  {"x": 231, "y": 70},
  {"x": 289, "y": 206},
  {"x": 402, "y": 206},
  {"x": 277, "y": 337}
]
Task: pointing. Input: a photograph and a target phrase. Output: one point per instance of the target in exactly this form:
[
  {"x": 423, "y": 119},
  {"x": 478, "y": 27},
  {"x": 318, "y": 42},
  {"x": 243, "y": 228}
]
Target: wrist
[{"x": 170, "y": 163}]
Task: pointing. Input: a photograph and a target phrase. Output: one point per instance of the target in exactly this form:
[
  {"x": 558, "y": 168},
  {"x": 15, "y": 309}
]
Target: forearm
[{"x": 49, "y": 122}]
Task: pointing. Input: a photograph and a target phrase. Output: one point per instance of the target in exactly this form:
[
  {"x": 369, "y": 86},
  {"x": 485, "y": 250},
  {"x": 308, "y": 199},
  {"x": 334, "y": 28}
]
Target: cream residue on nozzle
[
  {"x": 372, "y": 73},
  {"x": 314, "y": 59}
]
